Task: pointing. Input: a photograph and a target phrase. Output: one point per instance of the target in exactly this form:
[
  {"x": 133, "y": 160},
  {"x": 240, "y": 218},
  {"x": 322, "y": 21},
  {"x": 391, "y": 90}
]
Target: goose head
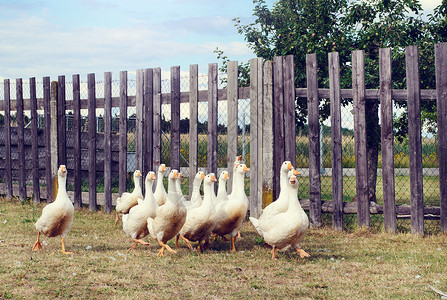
[
  {"x": 162, "y": 169},
  {"x": 150, "y": 177},
  {"x": 62, "y": 171},
  {"x": 224, "y": 176}
]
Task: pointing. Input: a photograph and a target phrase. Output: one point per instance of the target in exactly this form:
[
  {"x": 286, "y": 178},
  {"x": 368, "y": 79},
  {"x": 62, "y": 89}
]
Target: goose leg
[
  {"x": 233, "y": 248},
  {"x": 116, "y": 218},
  {"x": 274, "y": 252},
  {"x": 138, "y": 241},
  {"x": 188, "y": 243},
  {"x": 63, "y": 247},
  {"x": 37, "y": 245},
  {"x": 164, "y": 246},
  {"x": 176, "y": 240}
]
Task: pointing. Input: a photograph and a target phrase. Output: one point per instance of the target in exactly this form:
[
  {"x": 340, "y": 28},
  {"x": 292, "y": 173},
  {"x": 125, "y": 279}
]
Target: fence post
[
  {"x": 21, "y": 139},
  {"x": 148, "y": 106},
  {"x": 8, "y": 160},
  {"x": 441, "y": 91},
  {"x": 386, "y": 110},
  {"x": 212, "y": 119},
  {"x": 267, "y": 133},
  {"x": 61, "y": 120},
  {"x": 107, "y": 142},
  {"x": 77, "y": 159},
  {"x": 289, "y": 109},
  {"x": 193, "y": 119},
  {"x": 123, "y": 133},
  {"x": 54, "y": 138},
  {"x": 415, "y": 140},
  {"x": 314, "y": 140},
  {"x": 232, "y": 106},
  {"x": 278, "y": 122},
  {"x": 91, "y": 141},
  {"x": 157, "y": 121},
  {"x": 175, "y": 118},
  {"x": 361, "y": 158},
  {"x": 139, "y": 121},
  {"x": 34, "y": 140},
  {"x": 336, "y": 144}
]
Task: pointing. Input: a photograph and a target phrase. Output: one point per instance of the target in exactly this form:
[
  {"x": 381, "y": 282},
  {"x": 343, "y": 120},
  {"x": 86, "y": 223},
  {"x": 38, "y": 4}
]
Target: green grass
[{"x": 356, "y": 265}]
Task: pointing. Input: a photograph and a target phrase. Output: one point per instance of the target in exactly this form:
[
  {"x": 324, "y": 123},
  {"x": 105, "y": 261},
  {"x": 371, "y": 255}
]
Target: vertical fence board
[
  {"x": 441, "y": 92},
  {"x": 148, "y": 106},
  {"x": 8, "y": 161},
  {"x": 336, "y": 141},
  {"x": 139, "y": 120},
  {"x": 212, "y": 119},
  {"x": 387, "y": 138},
  {"x": 257, "y": 205},
  {"x": 254, "y": 136},
  {"x": 123, "y": 133},
  {"x": 175, "y": 117},
  {"x": 21, "y": 139},
  {"x": 278, "y": 122},
  {"x": 107, "y": 142},
  {"x": 267, "y": 143},
  {"x": 77, "y": 198},
  {"x": 415, "y": 140},
  {"x": 34, "y": 139},
  {"x": 193, "y": 117},
  {"x": 361, "y": 160},
  {"x": 289, "y": 109},
  {"x": 61, "y": 120},
  {"x": 47, "y": 117},
  {"x": 54, "y": 138},
  {"x": 91, "y": 141},
  {"x": 314, "y": 140},
  {"x": 157, "y": 120},
  {"x": 232, "y": 106}
]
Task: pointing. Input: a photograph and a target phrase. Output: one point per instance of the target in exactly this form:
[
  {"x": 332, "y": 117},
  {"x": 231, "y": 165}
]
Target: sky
[{"x": 50, "y": 38}]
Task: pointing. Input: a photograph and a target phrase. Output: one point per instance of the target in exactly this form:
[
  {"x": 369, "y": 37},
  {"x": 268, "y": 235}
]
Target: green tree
[{"x": 300, "y": 27}]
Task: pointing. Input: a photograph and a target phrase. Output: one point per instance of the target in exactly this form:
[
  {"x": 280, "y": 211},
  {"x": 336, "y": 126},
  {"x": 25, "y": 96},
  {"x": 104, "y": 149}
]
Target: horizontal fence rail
[{"x": 95, "y": 145}]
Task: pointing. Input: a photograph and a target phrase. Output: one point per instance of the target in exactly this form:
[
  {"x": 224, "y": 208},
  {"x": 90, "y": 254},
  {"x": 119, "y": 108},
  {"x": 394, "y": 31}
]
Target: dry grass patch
[{"x": 342, "y": 265}]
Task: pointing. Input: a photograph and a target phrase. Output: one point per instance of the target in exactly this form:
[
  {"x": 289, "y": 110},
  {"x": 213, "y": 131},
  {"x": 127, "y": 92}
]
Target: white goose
[
  {"x": 222, "y": 189},
  {"x": 135, "y": 222},
  {"x": 170, "y": 217},
  {"x": 230, "y": 214},
  {"x": 160, "y": 192},
  {"x": 200, "y": 220},
  {"x": 57, "y": 217},
  {"x": 129, "y": 200},
  {"x": 178, "y": 187},
  {"x": 196, "y": 198},
  {"x": 287, "y": 228}
]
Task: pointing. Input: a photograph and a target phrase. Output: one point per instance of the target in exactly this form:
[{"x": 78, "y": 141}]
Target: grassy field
[{"x": 342, "y": 265}]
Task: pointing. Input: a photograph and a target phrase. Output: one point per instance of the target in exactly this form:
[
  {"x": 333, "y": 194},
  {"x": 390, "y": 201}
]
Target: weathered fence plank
[
  {"x": 336, "y": 141},
  {"x": 267, "y": 142},
  {"x": 289, "y": 109},
  {"x": 361, "y": 160},
  {"x": 278, "y": 122},
  {"x": 387, "y": 139},
  {"x": 441, "y": 91},
  {"x": 193, "y": 117},
  {"x": 8, "y": 160},
  {"x": 91, "y": 85},
  {"x": 107, "y": 142},
  {"x": 21, "y": 139},
  {"x": 77, "y": 193},
  {"x": 175, "y": 118},
  {"x": 139, "y": 121},
  {"x": 123, "y": 133},
  {"x": 148, "y": 106},
  {"x": 34, "y": 141},
  {"x": 47, "y": 117},
  {"x": 415, "y": 140},
  {"x": 61, "y": 120},
  {"x": 212, "y": 118},
  {"x": 54, "y": 138},
  {"x": 314, "y": 140},
  {"x": 232, "y": 110},
  {"x": 157, "y": 120}
]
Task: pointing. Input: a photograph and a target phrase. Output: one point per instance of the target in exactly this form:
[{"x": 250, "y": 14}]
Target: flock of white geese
[{"x": 165, "y": 215}]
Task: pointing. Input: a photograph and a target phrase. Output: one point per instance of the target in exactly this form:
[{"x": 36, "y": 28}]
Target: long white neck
[
  {"x": 178, "y": 188},
  {"x": 172, "y": 191},
  {"x": 238, "y": 183},
  {"x": 160, "y": 180},
  {"x": 294, "y": 204},
  {"x": 148, "y": 190},
  {"x": 137, "y": 188},
  {"x": 61, "y": 183},
  {"x": 283, "y": 183},
  {"x": 208, "y": 192},
  {"x": 221, "y": 188}
]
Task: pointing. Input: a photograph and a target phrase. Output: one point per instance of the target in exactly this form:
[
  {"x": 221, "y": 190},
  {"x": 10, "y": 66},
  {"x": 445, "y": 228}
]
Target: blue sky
[{"x": 50, "y": 38}]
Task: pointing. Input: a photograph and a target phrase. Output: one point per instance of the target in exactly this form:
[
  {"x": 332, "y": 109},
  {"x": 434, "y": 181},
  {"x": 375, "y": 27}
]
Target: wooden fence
[{"x": 272, "y": 96}]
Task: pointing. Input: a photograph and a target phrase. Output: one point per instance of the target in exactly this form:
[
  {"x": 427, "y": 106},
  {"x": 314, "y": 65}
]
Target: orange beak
[
  {"x": 246, "y": 169},
  {"x": 289, "y": 166},
  {"x": 296, "y": 173},
  {"x": 226, "y": 176},
  {"x": 152, "y": 176},
  {"x": 203, "y": 176},
  {"x": 213, "y": 178}
]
